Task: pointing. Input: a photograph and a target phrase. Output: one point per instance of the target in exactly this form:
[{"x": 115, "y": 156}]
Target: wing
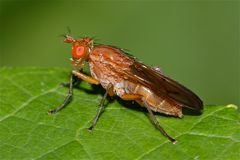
[{"x": 164, "y": 86}]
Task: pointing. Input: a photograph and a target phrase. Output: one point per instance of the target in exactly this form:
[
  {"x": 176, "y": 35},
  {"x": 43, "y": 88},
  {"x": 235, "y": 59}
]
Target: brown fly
[{"x": 131, "y": 80}]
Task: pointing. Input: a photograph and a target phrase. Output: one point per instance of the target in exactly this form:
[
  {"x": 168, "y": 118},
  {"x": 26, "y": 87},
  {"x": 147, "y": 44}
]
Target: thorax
[{"x": 110, "y": 65}]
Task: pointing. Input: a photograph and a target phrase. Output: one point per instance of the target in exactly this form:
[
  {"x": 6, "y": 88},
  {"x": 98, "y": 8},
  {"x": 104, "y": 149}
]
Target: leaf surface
[{"x": 123, "y": 131}]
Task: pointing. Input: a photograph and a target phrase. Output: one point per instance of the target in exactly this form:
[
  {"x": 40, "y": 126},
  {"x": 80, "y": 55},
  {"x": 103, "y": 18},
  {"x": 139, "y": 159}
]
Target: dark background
[{"x": 195, "y": 42}]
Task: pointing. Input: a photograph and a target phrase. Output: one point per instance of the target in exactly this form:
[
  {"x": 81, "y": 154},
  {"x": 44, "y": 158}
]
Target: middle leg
[{"x": 109, "y": 91}]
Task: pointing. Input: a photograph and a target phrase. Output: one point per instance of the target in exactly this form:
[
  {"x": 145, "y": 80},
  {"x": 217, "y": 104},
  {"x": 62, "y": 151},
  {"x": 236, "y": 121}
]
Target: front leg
[
  {"x": 85, "y": 77},
  {"x": 75, "y": 82},
  {"x": 70, "y": 92},
  {"x": 67, "y": 99}
]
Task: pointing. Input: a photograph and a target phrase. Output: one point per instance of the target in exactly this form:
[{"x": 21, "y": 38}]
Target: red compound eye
[{"x": 78, "y": 52}]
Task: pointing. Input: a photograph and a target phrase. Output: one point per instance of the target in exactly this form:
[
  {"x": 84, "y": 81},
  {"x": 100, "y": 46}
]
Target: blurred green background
[{"x": 194, "y": 42}]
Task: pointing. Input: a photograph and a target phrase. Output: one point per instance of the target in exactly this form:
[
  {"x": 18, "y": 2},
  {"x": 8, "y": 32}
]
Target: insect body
[{"x": 129, "y": 79}]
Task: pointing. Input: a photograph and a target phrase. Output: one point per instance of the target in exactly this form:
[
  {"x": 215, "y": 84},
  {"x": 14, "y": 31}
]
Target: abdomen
[{"x": 156, "y": 103}]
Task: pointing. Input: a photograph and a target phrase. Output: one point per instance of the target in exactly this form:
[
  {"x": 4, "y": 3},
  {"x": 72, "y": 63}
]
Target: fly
[{"x": 122, "y": 75}]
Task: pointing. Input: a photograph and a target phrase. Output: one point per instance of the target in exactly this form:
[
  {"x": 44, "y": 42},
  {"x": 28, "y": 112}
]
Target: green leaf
[{"x": 123, "y": 131}]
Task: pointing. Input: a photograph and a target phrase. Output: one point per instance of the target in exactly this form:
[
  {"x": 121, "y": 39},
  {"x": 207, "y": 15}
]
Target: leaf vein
[{"x": 28, "y": 102}]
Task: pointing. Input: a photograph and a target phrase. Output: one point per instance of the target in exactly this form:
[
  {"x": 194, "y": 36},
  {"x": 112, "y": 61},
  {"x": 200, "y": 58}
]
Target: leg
[
  {"x": 151, "y": 115},
  {"x": 67, "y": 99},
  {"x": 131, "y": 97},
  {"x": 86, "y": 78},
  {"x": 101, "y": 106},
  {"x": 75, "y": 82},
  {"x": 157, "y": 125}
]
